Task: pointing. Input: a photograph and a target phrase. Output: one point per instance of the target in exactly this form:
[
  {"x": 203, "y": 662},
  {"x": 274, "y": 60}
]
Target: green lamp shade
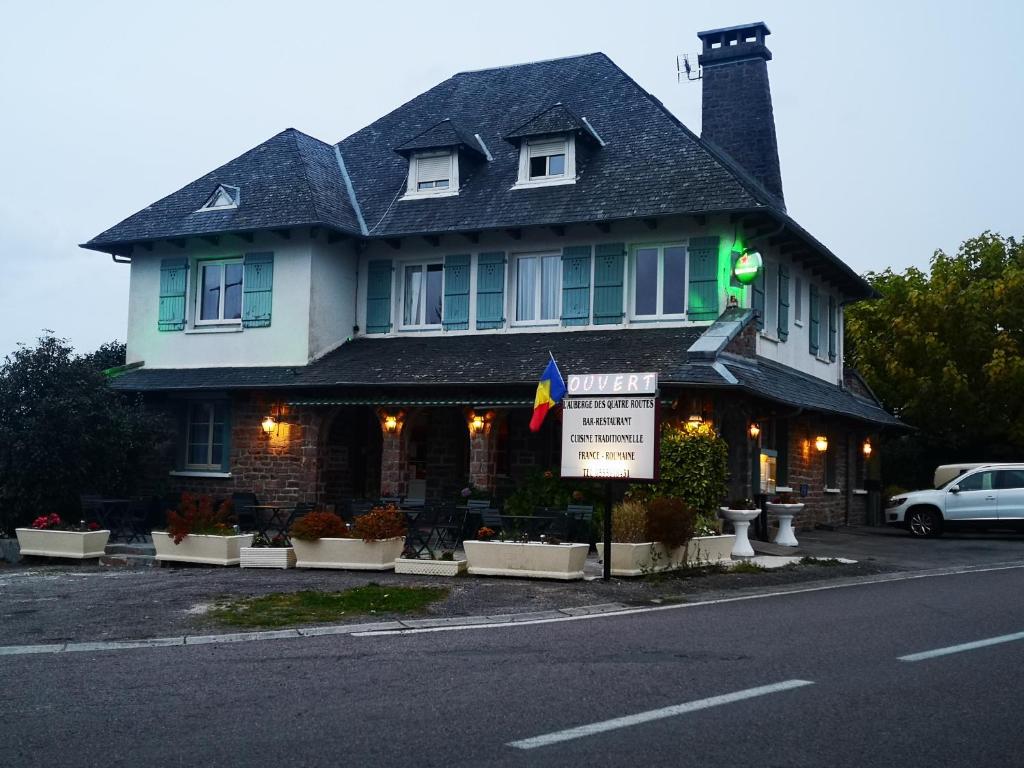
[{"x": 747, "y": 267}]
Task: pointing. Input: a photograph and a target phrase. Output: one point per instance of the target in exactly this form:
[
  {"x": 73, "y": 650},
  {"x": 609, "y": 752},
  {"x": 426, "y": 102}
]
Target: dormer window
[
  {"x": 547, "y": 161},
  {"x": 224, "y": 197},
  {"x": 433, "y": 174}
]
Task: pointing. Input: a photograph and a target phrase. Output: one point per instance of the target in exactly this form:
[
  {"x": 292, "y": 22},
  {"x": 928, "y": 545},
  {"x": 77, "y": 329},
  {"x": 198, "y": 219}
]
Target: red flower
[{"x": 94, "y": 526}]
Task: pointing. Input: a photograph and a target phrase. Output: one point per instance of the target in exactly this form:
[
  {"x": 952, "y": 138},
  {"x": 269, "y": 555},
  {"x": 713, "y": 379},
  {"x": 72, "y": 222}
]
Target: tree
[
  {"x": 66, "y": 432},
  {"x": 945, "y": 351}
]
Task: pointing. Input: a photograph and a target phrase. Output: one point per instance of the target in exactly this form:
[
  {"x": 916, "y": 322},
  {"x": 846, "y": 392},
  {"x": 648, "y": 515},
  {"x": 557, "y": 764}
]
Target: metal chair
[
  {"x": 491, "y": 519},
  {"x": 449, "y": 523},
  {"x": 479, "y": 504},
  {"x": 420, "y": 531},
  {"x": 299, "y": 511},
  {"x": 582, "y": 518},
  {"x": 246, "y": 517}
]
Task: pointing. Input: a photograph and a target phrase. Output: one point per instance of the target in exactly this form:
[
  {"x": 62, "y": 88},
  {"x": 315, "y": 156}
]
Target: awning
[{"x": 406, "y": 402}]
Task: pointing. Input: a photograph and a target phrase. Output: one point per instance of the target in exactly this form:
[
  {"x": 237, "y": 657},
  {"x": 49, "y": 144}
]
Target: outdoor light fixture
[
  {"x": 867, "y": 448},
  {"x": 269, "y": 424},
  {"x": 747, "y": 266},
  {"x": 390, "y": 423},
  {"x": 821, "y": 443},
  {"x": 755, "y": 430},
  {"x": 694, "y": 421},
  {"x": 476, "y": 424}
]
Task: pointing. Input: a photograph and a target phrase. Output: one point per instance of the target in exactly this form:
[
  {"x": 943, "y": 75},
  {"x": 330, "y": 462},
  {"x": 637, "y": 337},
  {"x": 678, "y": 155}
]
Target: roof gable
[{"x": 439, "y": 136}]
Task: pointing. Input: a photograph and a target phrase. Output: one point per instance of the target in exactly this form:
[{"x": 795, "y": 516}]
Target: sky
[{"x": 899, "y": 123}]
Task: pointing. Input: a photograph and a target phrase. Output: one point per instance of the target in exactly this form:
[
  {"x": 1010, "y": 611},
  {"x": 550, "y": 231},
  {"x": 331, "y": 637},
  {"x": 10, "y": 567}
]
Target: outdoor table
[{"x": 276, "y": 519}]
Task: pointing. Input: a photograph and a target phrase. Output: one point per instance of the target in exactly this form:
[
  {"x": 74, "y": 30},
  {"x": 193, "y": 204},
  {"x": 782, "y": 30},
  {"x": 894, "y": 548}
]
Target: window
[
  {"x": 224, "y": 197},
  {"x": 422, "y": 292},
  {"x": 979, "y": 481},
  {"x": 1010, "y": 478},
  {"x": 206, "y": 429},
  {"x": 538, "y": 288},
  {"x": 659, "y": 284},
  {"x": 219, "y": 292},
  {"x": 433, "y": 174},
  {"x": 798, "y": 300},
  {"x": 547, "y": 161}
]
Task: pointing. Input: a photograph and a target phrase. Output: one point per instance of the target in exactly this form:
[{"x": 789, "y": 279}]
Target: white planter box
[
  {"x": 353, "y": 554},
  {"x": 430, "y": 567},
  {"x": 196, "y": 548},
  {"x": 267, "y": 557},
  {"x": 651, "y": 556},
  {"x": 78, "y": 546},
  {"x": 535, "y": 560}
]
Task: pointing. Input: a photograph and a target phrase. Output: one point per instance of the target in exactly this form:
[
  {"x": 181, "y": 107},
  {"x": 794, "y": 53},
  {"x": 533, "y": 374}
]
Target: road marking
[
  {"x": 701, "y": 603},
  {"x": 655, "y": 714},
  {"x": 962, "y": 647}
]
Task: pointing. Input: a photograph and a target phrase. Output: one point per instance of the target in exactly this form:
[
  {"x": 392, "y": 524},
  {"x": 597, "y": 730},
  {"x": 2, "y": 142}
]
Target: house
[{"x": 323, "y": 322}]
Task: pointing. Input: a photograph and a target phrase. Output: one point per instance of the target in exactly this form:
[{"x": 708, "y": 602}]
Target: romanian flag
[{"x": 550, "y": 391}]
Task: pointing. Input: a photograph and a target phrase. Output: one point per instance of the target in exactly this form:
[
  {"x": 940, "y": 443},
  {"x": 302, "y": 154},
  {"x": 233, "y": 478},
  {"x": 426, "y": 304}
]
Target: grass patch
[
  {"x": 285, "y": 609},
  {"x": 828, "y": 562},
  {"x": 745, "y": 566}
]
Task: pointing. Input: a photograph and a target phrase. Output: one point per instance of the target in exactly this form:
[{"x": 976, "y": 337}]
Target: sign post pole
[{"x": 608, "y": 529}]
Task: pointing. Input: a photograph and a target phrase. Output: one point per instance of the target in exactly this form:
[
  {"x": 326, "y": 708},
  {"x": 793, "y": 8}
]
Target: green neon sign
[{"x": 748, "y": 267}]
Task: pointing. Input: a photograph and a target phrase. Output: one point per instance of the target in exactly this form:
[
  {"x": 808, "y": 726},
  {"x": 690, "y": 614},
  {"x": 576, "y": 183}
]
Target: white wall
[
  {"x": 332, "y": 307},
  {"x": 284, "y": 342}
]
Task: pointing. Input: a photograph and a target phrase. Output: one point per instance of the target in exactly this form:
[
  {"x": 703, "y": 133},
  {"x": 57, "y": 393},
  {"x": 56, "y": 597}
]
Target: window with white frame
[
  {"x": 547, "y": 161},
  {"x": 219, "y": 292},
  {"x": 659, "y": 281},
  {"x": 206, "y": 423},
  {"x": 422, "y": 295},
  {"x": 224, "y": 197},
  {"x": 538, "y": 288},
  {"x": 433, "y": 174}
]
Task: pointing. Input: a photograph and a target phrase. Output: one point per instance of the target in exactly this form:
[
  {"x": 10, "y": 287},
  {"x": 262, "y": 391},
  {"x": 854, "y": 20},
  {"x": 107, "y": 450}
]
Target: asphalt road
[{"x": 460, "y": 698}]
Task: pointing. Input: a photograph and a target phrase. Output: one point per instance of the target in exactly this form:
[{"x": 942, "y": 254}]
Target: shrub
[
  {"x": 381, "y": 523},
  {"x": 694, "y": 465},
  {"x": 629, "y": 522},
  {"x": 742, "y": 504},
  {"x": 196, "y": 515},
  {"x": 319, "y": 524},
  {"x": 670, "y": 521},
  {"x": 547, "y": 489}
]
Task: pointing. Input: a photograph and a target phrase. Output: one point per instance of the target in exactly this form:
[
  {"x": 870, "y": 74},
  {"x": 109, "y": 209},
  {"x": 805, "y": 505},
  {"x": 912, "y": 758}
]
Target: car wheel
[{"x": 923, "y": 522}]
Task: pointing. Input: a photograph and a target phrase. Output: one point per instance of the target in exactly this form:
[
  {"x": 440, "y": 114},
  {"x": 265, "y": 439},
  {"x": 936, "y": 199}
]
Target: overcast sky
[{"x": 900, "y": 124}]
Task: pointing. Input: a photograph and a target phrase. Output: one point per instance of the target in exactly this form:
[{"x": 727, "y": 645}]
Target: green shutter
[
  {"x": 783, "y": 302},
  {"x": 257, "y": 290},
  {"x": 832, "y": 329},
  {"x": 173, "y": 279},
  {"x": 576, "y": 285},
  {"x": 757, "y": 297},
  {"x": 378, "y": 296},
  {"x": 455, "y": 315},
  {"x": 490, "y": 290},
  {"x": 814, "y": 314},
  {"x": 608, "y": 266},
  {"x": 703, "y": 275}
]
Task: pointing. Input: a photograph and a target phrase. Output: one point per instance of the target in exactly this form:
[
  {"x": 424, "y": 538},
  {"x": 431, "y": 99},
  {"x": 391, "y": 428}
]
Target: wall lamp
[
  {"x": 821, "y": 443},
  {"x": 390, "y": 423},
  {"x": 867, "y": 448},
  {"x": 476, "y": 424},
  {"x": 755, "y": 430}
]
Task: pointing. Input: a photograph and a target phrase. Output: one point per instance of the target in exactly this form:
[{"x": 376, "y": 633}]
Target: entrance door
[
  {"x": 1010, "y": 490},
  {"x": 976, "y": 499}
]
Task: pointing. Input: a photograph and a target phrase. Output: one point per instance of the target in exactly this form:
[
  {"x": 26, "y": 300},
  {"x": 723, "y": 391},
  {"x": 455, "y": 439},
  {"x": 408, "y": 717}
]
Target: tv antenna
[{"x": 683, "y": 67}]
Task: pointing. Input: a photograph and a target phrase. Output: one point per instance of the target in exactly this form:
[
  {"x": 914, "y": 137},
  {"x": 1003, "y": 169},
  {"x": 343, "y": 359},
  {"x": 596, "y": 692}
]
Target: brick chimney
[{"x": 737, "y": 100}]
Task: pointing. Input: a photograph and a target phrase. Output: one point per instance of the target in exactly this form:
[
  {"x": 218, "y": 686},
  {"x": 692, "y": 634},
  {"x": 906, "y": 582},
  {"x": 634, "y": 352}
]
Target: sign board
[{"x": 610, "y": 427}]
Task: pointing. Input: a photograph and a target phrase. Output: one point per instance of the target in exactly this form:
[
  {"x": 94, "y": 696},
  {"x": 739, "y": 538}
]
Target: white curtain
[
  {"x": 526, "y": 288},
  {"x": 412, "y": 295},
  {"x": 550, "y": 285}
]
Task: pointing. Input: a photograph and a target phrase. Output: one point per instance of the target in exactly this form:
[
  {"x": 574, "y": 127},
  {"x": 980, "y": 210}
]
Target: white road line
[
  {"x": 655, "y": 714},
  {"x": 677, "y": 606},
  {"x": 962, "y": 647}
]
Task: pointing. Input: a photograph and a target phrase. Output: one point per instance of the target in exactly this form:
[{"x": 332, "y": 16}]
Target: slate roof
[
  {"x": 444, "y": 134},
  {"x": 289, "y": 180},
  {"x": 555, "y": 119},
  {"x": 443, "y": 363}
]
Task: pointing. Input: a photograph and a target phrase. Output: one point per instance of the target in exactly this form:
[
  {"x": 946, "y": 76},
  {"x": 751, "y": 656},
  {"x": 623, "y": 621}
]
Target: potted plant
[
  {"x": 548, "y": 559},
  {"x": 200, "y": 532},
  {"x": 662, "y": 533},
  {"x": 784, "y": 507},
  {"x": 438, "y": 564},
  {"x": 50, "y": 536},
  {"x": 266, "y": 552},
  {"x": 740, "y": 512},
  {"x": 322, "y": 540}
]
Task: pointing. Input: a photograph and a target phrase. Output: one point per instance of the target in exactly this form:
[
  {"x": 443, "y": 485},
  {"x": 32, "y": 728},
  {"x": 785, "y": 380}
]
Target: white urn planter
[
  {"x": 267, "y": 557},
  {"x": 418, "y": 567},
  {"x": 350, "y": 554},
  {"x": 740, "y": 519},
  {"x": 532, "y": 560},
  {"x": 785, "y": 513},
  {"x": 651, "y": 556},
  {"x": 200, "y": 548},
  {"x": 72, "y": 544}
]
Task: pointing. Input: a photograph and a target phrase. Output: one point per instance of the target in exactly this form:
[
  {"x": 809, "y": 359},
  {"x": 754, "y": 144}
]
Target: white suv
[{"x": 989, "y": 495}]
